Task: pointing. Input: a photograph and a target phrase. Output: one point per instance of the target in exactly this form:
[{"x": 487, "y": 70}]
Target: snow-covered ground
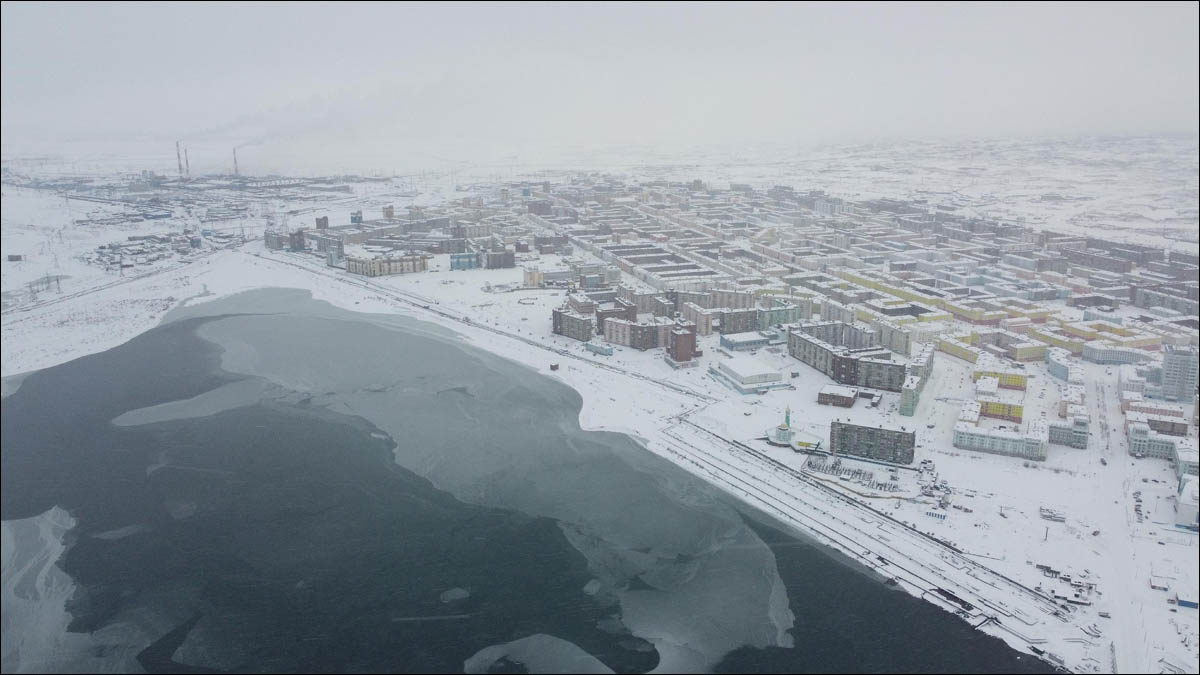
[
  {"x": 690, "y": 418},
  {"x": 1130, "y": 189},
  {"x": 1141, "y": 189}
]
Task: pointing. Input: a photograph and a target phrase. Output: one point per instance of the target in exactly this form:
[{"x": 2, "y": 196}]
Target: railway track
[{"x": 957, "y": 555}]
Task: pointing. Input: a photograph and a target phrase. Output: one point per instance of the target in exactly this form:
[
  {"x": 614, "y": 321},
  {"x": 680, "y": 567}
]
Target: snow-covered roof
[
  {"x": 839, "y": 390},
  {"x": 750, "y": 336},
  {"x": 1189, "y": 491},
  {"x": 747, "y": 366}
]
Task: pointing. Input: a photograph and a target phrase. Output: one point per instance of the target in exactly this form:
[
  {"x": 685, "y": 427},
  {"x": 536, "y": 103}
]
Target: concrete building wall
[
  {"x": 703, "y": 318},
  {"x": 732, "y": 299},
  {"x": 1179, "y": 372},
  {"x": 739, "y": 320},
  {"x": 1000, "y": 442},
  {"x": 572, "y": 325},
  {"x": 382, "y": 266},
  {"x": 886, "y": 445}
]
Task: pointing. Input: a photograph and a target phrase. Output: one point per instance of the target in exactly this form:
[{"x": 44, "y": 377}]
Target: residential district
[
  {"x": 999, "y": 419},
  {"x": 870, "y": 295}
]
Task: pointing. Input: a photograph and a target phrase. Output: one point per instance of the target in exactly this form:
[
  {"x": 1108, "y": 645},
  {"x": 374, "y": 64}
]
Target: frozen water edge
[
  {"x": 226, "y": 397},
  {"x": 35, "y": 592},
  {"x": 728, "y": 574},
  {"x": 232, "y": 272},
  {"x": 539, "y": 653},
  {"x": 43, "y": 337},
  {"x": 773, "y": 616}
]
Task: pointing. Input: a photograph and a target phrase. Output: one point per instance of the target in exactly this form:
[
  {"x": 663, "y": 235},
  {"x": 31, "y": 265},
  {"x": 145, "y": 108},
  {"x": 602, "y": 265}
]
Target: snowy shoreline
[
  {"x": 643, "y": 409},
  {"x": 598, "y": 411}
]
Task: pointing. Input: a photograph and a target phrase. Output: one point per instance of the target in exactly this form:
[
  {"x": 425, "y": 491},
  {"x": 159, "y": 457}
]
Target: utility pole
[
  {"x": 235, "y": 166},
  {"x": 187, "y": 164},
  {"x": 178, "y": 159}
]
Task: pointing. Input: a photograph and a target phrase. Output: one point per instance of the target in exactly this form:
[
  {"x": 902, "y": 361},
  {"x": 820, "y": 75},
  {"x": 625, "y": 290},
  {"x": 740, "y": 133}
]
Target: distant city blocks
[{"x": 878, "y": 297}]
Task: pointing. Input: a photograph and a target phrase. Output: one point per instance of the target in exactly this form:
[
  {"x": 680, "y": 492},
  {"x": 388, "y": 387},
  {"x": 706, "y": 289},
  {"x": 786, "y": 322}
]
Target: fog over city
[{"x": 481, "y": 82}]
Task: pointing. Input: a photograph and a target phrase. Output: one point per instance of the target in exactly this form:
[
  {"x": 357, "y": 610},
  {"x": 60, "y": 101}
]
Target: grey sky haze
[{"x": 509, "y": 75}]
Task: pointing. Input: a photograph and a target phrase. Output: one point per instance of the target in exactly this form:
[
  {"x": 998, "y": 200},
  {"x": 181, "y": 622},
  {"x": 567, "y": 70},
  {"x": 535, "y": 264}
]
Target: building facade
[
  {"x": 866, "y": 366},
  {"x": 571, "y": 324},
  {"x": 878, "y": 443},
  {"x": 1028, "y": 445},
  {"x": 1179, "y": 372},
  {"x": 681, "y": 345},
  {"x": 464, "y": 261},
  {"x": 739, "y": 320},
  {"x": 387, "y": 264}
]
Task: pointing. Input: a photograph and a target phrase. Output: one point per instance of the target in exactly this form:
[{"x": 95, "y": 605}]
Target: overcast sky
[{"x": 511, "y": 75}]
